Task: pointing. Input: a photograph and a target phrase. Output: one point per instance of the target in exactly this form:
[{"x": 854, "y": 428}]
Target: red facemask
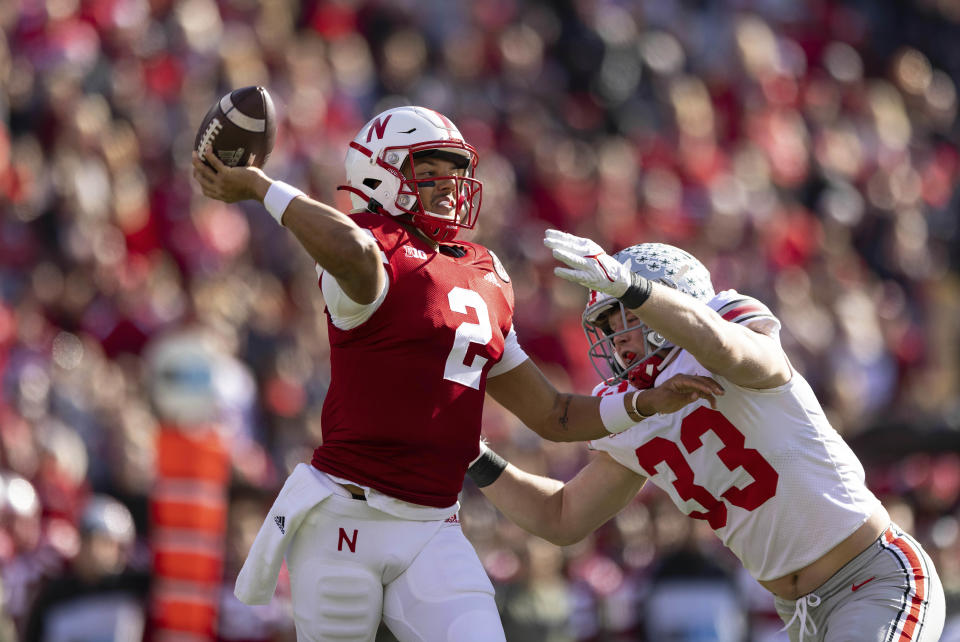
[{"x": 438, "y": 228}]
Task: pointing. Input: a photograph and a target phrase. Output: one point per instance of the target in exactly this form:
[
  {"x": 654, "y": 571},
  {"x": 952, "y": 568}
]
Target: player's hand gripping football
[
  {"x": 228, "y": 184},
  {"x": 588, "y": 264},
  {"x": 678, "y": 391}
]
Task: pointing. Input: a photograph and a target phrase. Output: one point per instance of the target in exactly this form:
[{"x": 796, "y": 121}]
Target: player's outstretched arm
[
  {"x": 564, "y": 513},
  {"x": 334, "y": 241},
  {"x": 745, "y": 357},
  {"x": 531, "y": 397}
]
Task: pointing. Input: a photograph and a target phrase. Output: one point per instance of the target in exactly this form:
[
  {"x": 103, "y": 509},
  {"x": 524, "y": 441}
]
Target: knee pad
[{"x": 336, "y": 602}]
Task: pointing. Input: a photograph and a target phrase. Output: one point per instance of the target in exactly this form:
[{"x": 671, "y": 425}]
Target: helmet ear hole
[{"x": 372, "y": 183}]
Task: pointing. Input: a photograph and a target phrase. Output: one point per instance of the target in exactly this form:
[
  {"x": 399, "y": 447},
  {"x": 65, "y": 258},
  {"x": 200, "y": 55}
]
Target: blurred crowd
[{"x": 806, "y": 152}]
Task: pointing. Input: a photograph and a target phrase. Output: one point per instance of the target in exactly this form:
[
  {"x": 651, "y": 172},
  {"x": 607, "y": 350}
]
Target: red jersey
[{"x": 404, "y": 407}]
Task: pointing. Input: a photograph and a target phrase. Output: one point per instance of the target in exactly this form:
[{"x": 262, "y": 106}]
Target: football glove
[{"x": 588, "y": 264}]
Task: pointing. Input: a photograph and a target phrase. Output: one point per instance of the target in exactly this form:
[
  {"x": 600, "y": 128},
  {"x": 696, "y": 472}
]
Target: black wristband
[
  {"x": 638, "y": 292},
  {"x": 487, "y": 468}
]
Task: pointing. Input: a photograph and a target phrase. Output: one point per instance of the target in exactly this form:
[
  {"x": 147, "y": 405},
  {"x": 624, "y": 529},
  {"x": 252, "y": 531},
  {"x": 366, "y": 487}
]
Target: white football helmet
[
  {"x": 374, "y": 165},
  {"x": 183, "y": 367},
  {"x": 107, "y": 516},
  {"x": 657, "y": 262}
]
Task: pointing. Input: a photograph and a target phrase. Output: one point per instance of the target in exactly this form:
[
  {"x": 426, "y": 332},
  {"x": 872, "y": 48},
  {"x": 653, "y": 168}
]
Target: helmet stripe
[
  {"x": 360, "y": 148},
  {"x": 447, "y": 123}
]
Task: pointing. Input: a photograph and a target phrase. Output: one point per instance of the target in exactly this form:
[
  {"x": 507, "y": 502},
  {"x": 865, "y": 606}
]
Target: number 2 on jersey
[
  {"x": 733, "y": 455},
  {"x": 455, "y": 369}
]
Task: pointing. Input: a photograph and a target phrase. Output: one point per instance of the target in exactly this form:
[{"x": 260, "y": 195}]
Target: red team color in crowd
[{"x": 806, "y": 152}]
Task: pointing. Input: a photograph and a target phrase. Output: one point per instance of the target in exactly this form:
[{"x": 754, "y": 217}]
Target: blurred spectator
[
  {"x": 539, "y": 605},
  {"x": 8, "y": 630},
  {"x": 188, "y": 500},
  {"x": 99, "y": 596},
  {"x": 239, "y": 622},
  {"x": 687, "y": 575},
  {"x": 30, "y": 556}
]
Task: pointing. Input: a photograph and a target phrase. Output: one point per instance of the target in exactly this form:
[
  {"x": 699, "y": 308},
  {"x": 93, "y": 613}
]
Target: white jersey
[{"x": 765, "y": 469}]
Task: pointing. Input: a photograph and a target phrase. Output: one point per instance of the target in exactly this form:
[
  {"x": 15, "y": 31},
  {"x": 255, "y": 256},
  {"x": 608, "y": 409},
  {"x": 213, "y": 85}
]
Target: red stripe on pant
[{"x": 920, "y": 582}]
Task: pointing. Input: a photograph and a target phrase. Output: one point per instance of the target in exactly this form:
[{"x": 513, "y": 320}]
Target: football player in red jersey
[
  {"x": 762, "y": 466},
  {"x": 370, "y": 528}
]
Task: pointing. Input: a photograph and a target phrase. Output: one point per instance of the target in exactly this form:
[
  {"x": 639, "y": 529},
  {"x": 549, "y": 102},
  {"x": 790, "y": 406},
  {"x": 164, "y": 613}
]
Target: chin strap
[
  {"x": 644, "y": 375},
  {"x": 352, "y": 190},
  {"x": 441, "y": 233}
]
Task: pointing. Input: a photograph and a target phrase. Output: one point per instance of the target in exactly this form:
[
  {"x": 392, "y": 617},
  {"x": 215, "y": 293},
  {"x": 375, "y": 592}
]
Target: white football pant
[{"x": 352, "y": 565}]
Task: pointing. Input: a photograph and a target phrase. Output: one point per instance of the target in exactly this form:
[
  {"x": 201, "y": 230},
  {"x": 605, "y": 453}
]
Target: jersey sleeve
[
  {"x": 745, "y": 310},
  {"x": 345, "y": 313},
  {"x": 513, "y": 355}
]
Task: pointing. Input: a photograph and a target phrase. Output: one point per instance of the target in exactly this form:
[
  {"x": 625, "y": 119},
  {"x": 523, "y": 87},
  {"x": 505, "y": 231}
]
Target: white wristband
[
  {"x": 278, "y": 197},
  {"x": 613, "y": 413}
]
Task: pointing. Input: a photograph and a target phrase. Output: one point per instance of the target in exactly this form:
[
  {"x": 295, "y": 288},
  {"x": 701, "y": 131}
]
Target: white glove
[{"x": 592, "y": 268}]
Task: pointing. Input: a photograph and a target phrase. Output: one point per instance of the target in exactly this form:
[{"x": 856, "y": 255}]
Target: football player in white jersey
[{"x": 758, "y": 461}]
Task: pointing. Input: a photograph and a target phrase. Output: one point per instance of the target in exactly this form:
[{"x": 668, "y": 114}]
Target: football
[{"x": 241, "y": 128}]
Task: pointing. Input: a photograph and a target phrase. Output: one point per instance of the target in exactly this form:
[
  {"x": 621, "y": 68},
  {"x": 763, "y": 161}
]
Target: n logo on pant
[{"x": 351, "y": 543}]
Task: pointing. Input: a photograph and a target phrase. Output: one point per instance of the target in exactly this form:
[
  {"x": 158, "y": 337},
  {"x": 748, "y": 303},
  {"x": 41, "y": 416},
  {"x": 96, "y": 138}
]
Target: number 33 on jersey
[
  {"x": 416, "y": 370},
  {"x": 739, "y": 468}
]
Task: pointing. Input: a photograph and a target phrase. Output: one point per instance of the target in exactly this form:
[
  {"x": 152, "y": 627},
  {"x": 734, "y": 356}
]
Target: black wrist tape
[
  {"x": 487, "y": 469},
  {"x": 638, "y": 292}
]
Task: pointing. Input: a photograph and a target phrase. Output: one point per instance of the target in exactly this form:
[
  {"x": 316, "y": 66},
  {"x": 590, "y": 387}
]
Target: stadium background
[{"x": 806, "y": 152}]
